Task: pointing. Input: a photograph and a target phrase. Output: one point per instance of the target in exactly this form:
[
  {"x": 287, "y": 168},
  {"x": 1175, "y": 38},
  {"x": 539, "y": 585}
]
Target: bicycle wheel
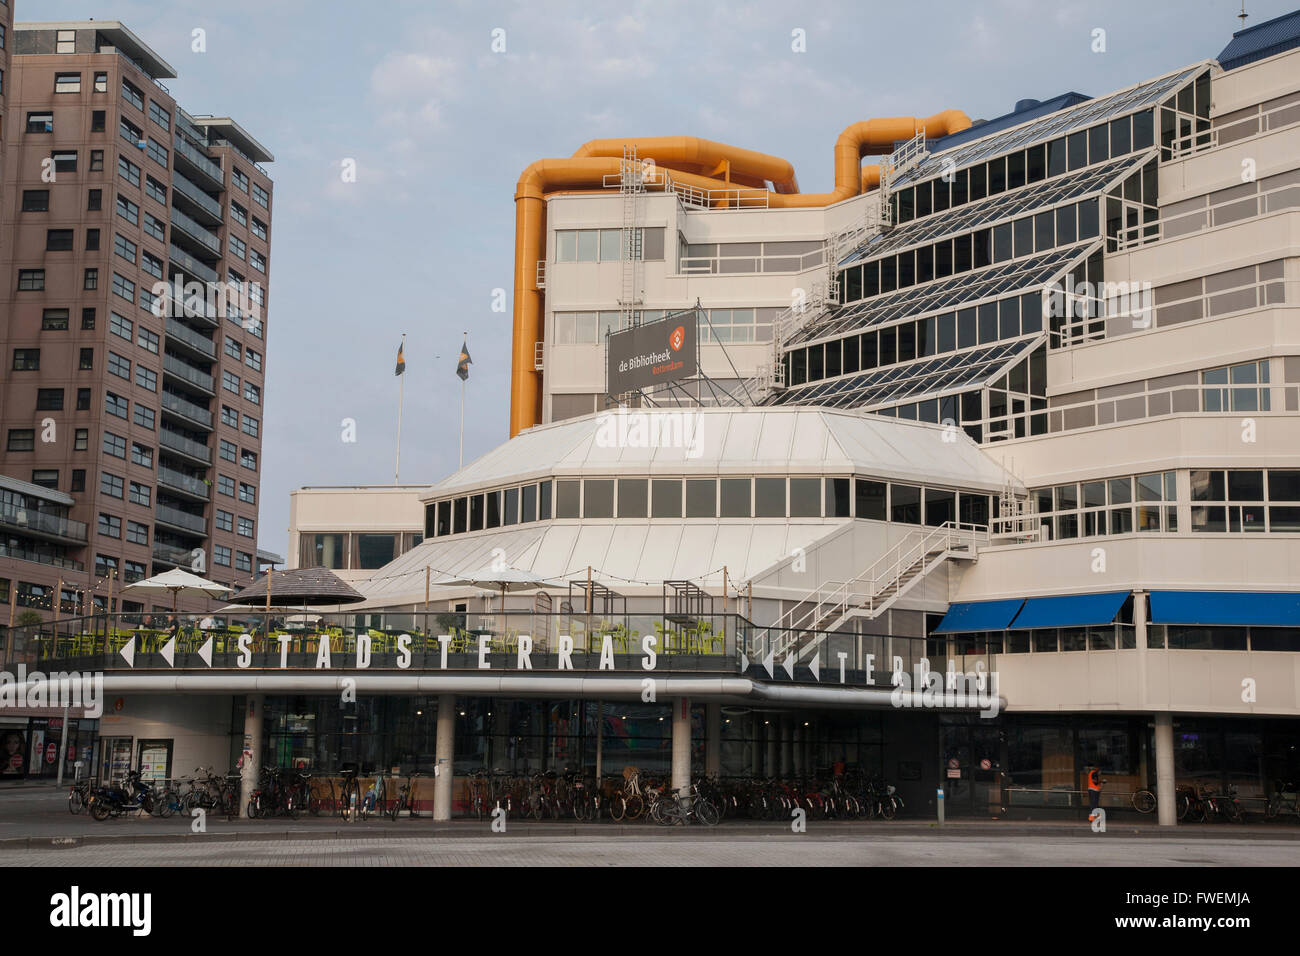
[
  {"x": 99, "y": 809},
  {"x": 1232, "y": 810},
  {"x": 252, "y": 808},
  {"x": 707, "y": 813},
  {"x": 347, "y": 793},
  {"x": 1144, "y": 801},
  {"x": 1270, "y": 809},
  {"x": 888, "y": 809},
  {"x": 167, "y": 804},
  {"x": 396, "y": 807},
  {"x": 76, "y": 801},
  {"x": 230, "y": 803},
  {"x": 635, "y": 807},
  {"x": 1184, "y": 806},
  {"x": 618, "y": 808}
]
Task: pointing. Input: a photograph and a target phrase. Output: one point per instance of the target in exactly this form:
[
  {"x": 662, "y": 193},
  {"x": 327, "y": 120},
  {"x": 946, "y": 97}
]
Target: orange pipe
[{"x": 688, "y": 158}]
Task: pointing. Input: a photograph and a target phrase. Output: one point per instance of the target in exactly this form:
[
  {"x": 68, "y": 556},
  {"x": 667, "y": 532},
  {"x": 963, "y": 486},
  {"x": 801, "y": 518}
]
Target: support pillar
[
  {"x": 797, "y": 746},
  {"x": 445, "y": 750},
  {"x": 771, "y": 730},
  {"x": 713, "y": 740},
  {"x": 785, "y": 748},
  {"x": 755, "y": 747},
  {"x": 1166, "y": 810},
  {"x": 254, "y": 712},
  {"x": 682, "y": 745}
]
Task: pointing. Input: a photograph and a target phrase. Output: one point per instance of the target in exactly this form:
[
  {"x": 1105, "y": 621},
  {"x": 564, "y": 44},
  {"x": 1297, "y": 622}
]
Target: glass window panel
[
  {"x": 633, "y": 494},
  {"x": 869, "y": 499},
  {"x": 598, "y": 498},
  {"x": 568, "y": 498},
  {"x": 838, "y": 504},
  {"x": 666, "y": 498},
  {"x": 735, "y": 494},
  {"x": 805, "y": 498},
  {"x": 769, "y": 497},
  {"x": 701, "y": 498},
  {"x": 905, "y": 503}
]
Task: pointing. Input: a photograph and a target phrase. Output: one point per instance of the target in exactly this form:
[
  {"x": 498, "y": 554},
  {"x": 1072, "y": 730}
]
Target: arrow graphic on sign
[
  {"x": 128, "y": 651},
  {"x": 744, "y": 662},
  {"x": 205, "y": 652},
  {"x": 788, "y": 664},
  {"x": 816, "y": 667},
  {"x": 767, "y": 661},
  {"x": 168, "y": 652}
]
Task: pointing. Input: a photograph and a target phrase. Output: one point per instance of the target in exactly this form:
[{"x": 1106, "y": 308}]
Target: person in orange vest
[{"x": 1094, "y": 788}]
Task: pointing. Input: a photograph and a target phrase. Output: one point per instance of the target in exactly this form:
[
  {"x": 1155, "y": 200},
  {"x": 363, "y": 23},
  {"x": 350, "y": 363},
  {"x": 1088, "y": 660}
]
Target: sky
[{"x": 438, "y": 122}]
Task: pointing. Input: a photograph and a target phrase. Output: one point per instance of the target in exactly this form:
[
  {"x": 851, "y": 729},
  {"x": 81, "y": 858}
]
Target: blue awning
[
  {"x": 1070, "y": 610},
  {"x": 979, "y": 616},
  {"x": 1261, "y": 608}
]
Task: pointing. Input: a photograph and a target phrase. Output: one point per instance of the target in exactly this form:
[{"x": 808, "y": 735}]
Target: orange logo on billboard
[{"x": 678, "y": 338}]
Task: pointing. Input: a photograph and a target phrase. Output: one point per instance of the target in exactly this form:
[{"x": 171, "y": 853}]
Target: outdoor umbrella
[
  {"x": 298, "y": 588},
  {"x": 174, "y": 582},
  {"x": 506, "y": 578}
]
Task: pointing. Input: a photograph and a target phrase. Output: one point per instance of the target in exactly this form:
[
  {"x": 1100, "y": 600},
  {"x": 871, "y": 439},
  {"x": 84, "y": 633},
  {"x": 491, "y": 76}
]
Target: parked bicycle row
[
  {"x": 206, "y": 790},
  {"x": 1208, "y": 806}
]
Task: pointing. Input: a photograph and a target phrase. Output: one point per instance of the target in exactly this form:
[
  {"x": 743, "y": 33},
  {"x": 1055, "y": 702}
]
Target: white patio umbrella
[
  {"x": 175, "y": 581},
  {"x": 504, "y": 578}
]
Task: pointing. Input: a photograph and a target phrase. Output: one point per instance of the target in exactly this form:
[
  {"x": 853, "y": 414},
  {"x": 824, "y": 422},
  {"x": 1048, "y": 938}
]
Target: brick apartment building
[{"x": 130, "y": 424}]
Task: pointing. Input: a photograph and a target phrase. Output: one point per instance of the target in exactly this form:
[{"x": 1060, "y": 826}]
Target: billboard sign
[{"x": 654, "y": 354}]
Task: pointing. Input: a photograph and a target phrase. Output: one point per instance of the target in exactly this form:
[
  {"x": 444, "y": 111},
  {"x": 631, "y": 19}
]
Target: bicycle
[
  {"x": 349, "y": 791},
  {"x": 1144, "y": 801},
  {"x": 405, "y": 798},
  {"x": 628, "y": 803},
  {"x": 321, "y": 798},
  {"x": 479, "y": 785},
  {"x": 78, "y": 796},
  {"x": 680, "y": 809},
  {"x": 1284, "y": 801},
  {"x": 375, "y": 799}
]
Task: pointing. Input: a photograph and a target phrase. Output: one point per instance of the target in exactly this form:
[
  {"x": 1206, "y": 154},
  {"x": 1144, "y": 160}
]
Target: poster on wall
[
  {"x": 155, "y": 759},
  {"x": 14, "y": 754},
  {"x": 117, "y": 758}
]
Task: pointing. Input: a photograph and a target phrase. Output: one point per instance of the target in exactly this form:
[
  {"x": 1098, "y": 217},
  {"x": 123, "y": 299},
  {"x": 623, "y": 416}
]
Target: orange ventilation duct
[{"x": 696, "y": 162}]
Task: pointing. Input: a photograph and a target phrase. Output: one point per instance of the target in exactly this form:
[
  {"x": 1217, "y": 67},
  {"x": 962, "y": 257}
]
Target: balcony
[
  {"x": 22, "y": 554},
  {"x": 186, "y": 228},
  {"x": 171, "y": 554},
  {"x": 191, "y": 413},
  {"x": 185, "y": 447},
  {"x": 185, "y": 338},
  {"x": 190, "y": 265},
  {"x": 182, "y": 484},
  {"x": 42, "y": 524},
  {"x": 193, "y": 163},
  {"x": 179, "y": 520},
  {"x": 187, "y": 374},
  {"x": 202, "y": 205}
]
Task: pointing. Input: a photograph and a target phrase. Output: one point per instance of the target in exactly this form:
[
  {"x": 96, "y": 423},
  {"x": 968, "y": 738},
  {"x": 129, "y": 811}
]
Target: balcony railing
[
  {"x": 198, "y": 161},
  {"x": 181, "y": 519},
  {"x": 29, "y": 519},
  {"x": 179, "y": 443},
  {"x": 171, "y": 478},
  {"x": 197, "y": 196},
  {"x": 195, "y": 231},
  {"x": 170, "y": 554},
  {"x": 178, "y": 332},
  {"x": 191, "y": 265},
  {"x": 174, "y": 366},
  {"x": 187, "y": 410},
  {"x": 22, "y": 554}
]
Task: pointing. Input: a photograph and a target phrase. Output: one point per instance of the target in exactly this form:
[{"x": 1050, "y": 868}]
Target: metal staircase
[{"x": 877, "y": 588}]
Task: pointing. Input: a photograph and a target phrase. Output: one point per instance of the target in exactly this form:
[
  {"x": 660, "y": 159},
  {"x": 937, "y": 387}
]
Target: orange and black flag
[
  {"x": 464, "y": 362},
  {"x": 401, "y": 360}
]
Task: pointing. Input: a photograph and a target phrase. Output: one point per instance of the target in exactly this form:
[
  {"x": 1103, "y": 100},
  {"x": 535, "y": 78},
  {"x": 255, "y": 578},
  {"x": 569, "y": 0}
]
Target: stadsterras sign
[{"x": 654, "y": 354}]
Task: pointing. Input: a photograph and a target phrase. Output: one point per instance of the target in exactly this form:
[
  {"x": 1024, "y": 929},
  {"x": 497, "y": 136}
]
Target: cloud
[{"x": 412, "y": 89}]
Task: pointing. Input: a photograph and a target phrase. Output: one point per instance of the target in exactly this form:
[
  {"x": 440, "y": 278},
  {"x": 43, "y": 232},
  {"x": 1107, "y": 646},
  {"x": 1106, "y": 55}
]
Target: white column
[
  {"x": 1166, "y": 811},
  {"x": 254, "y": 708},
  {"x": 682, "y": 745},
  {"x": 445, "y": 751},
  {"x": 1140, "y": 636},
  {"x": 713, "y": 739}
]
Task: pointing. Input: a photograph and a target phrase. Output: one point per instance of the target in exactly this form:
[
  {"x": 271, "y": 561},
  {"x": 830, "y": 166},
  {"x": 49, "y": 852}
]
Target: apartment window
[
  {"x": 67, "y": 82},
  {"x": 233, "y": 349},
  {"x": 141, "y": 455},
  {"x": 88, "y": 318},
  {"x": 123, "y": 287},
  {"x": 96, "y": 160},
  {"x": 259, "y": 228},
  {"x": 137, "y": 533},
  {"x": 46, "y": 477},
  {"x": 92, "y": 242},
  {"x": 226, "y": 486},
  {"x": 252, "y": 393},
  {"x": 59, "y": 240},
  {"x": 27, "y": 360},
  {"x": 115, "y": 405},
  {"x": 229, "y": 417},
  {"x": 36, "y": 200},
  {"x": 257, "y": 260},
  {"x": 94, "y": 200},
  {"x": 249, "y": 460},
  {"x": 154, "y": 266},
  {"x": 146, "y": 378},
  {"x": 239, "y": 213},
  {"x": 155, "y": 190},
  {"x": 157, "y": 152},
  {"x": 49, "y": 399},
  {"x": 155, "y": 228},
  {"x": 227, "y": 450},
  {"x": 31, "y": 280},
  {"x": 90, "y": 280},
  {"x": 110, "y": 485},
  {"x": 65, "y": 41},
  {"x": 221, "y": 555},
  {"x": 65, "y": 161},
  {"x": 238, "y": 178},
  {"x": 110, "y": 526},
  {"x": 131, "y": 133},
  {"x": 78, "y": 480},
  {"x": 261, "y": 197},
  {"x": 114, "y": 445},
  {"x": 54, "y": 320},
  {"x": 128, "y": 171},
  {"x": 160, "y": 115},
  {"x": 230, "y": 382},
  {"x": 104, "y": 565},
  {"x": 128, "y": 210},
  {"x": 119, "y": 366},
  {"x": 247, "y": 494},
  {"x": 81, "y": 440},
  {"x": 87, "y": 360},
  {"x": 21, "y": 439},
  {"x": 101, "y": 82},
  {"x": 140, "y": 495},
  {"x": 40, "y": 122},
  {"x": 238, "y": 247},
  {"x": 250, "y": 426},
  {"x": 225, "y": 521},
  {"x": 243, "y": 562},
  {"x": 119, "y": 326},
  {"x": 246, "y": 527},
  {"x": 147, "y": 340},
  {"x": 145, "y": 416},
  {"x": 253, "y": 360},
  {"x": 1242, "y": 391},
  {"x": 98, "y": 121},
  {"x": 127, "y": 250}
]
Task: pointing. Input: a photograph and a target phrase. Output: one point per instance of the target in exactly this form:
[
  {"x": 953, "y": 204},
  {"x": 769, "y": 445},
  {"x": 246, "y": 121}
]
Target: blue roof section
[
  {"x": 1071, "y": 610},
  {"x": 1210, "y": 608},
  {"x": 1261, "y": 41},
  {"x": 1007, "y": 120}
]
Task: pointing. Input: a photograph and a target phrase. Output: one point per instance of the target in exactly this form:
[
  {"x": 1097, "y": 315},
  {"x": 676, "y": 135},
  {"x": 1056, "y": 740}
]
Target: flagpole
[
  {"x": 462, "y": 418},
  {"x": 401, "y": 394}
]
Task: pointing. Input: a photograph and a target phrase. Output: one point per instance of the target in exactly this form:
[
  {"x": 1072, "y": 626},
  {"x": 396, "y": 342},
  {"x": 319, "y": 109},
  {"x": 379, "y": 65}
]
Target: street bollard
[{"x": 939, "y": 804}]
